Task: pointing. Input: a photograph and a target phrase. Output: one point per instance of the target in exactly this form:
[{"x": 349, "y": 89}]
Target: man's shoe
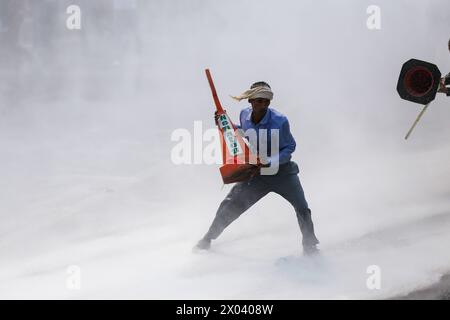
[
  {"x": 203, "y": 244},
  {"x": 310, "y": 250}
]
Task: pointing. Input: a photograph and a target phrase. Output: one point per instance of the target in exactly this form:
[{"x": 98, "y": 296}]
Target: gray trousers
[{"x": 245, "y": 194}]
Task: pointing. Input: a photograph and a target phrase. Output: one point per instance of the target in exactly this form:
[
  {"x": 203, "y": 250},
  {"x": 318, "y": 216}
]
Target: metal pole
[{"x": 417, "y": 120}]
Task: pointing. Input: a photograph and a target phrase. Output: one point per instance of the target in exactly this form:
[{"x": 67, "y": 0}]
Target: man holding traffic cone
[{"x": 284, "y": 180}]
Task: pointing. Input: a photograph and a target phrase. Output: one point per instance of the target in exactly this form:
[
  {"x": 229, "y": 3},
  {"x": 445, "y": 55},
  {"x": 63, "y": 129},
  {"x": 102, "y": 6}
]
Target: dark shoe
[
  {"x": 203, "y": 244},
  {"x": 310, "y": 250}
]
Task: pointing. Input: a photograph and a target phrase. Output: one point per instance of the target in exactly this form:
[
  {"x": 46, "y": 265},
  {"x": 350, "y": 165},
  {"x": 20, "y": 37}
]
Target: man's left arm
[{"x": 287, "y": 146}]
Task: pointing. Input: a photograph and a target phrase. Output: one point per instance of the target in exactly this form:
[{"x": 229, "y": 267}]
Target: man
[
  {"x": 445, "y": 81},
  {"x": 284, "y": 182}
]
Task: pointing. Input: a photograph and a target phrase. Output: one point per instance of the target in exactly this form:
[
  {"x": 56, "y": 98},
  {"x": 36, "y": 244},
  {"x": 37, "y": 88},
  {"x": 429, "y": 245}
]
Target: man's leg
[
  {"x": 241, "y": 197},
  {"x": 290, "y": 188}
]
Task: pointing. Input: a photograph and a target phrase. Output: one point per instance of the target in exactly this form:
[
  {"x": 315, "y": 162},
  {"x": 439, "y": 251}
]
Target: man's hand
[
  {"x": 216, "y": 118},
  {"x": 253, "y": 169},
  {"x": 442, "y": 87},
  {"x": 244, "y": 173}
]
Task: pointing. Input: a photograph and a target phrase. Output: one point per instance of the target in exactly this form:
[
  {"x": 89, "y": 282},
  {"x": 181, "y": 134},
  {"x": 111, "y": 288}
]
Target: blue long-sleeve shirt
[{"x": 272, "y": 120}]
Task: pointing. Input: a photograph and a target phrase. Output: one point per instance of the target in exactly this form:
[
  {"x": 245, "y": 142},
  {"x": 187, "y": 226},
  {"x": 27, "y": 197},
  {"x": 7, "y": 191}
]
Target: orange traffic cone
[{"x": 238, "y": 160}]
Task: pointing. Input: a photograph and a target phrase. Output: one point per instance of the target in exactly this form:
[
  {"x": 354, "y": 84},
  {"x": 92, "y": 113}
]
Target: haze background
[{"x": 86, "y": 119}]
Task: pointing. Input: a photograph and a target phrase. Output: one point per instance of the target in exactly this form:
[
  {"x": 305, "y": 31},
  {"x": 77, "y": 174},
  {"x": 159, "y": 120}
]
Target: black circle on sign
[{"x": 418, "y": 81}]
